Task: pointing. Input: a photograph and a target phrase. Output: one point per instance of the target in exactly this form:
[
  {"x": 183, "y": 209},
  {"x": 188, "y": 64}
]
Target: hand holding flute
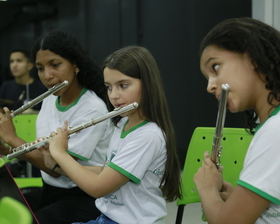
[
  {"x": 208, "y": 177},
  {"x": 7, "y": 128},
  {"x": 59, "y": 141}
]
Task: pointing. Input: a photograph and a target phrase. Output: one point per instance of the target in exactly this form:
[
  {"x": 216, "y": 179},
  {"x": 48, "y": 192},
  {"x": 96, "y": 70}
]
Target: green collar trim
[
  {"x": 274, "y": 112},
  {"x": 62, "y": 108},
  {"x": 125, "y": 133}
]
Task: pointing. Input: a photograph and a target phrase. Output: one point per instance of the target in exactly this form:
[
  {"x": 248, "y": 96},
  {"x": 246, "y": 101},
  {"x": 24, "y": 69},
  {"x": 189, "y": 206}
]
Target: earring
[{"x": 76, "y": 71}]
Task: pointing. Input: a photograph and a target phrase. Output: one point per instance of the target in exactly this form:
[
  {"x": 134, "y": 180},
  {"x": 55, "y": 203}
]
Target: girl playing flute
[
  {"x": 141, "y": 170},
  {"x": 58, "y": 56},
  {"x": 245, "y": 53}
]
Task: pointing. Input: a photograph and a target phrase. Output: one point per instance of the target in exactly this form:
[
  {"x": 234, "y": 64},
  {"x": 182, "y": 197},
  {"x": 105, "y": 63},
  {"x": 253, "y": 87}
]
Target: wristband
[{"x": 55, "y": 166}]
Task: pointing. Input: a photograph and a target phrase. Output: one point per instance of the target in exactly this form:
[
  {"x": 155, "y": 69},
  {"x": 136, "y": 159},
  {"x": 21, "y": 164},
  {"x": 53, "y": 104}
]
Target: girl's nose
[
  {"x": 48, "y": 74},
  {"x": 212, "y": 86},
  {"x": 114, "y": 94}
]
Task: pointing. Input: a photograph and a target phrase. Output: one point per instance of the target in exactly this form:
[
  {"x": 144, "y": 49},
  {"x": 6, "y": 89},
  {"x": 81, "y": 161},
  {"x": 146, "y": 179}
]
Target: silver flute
[
  {"x": 220, "y": 122},
  {"x": 25, "y": 148},
  {"x": 216, "y": 147},
  {"x": 38, "y": 99}
]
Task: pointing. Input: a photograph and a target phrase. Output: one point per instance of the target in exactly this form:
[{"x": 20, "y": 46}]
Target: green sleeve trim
[
  {"x": 78, "y": 156},
  {"x": 124, "y": 172},
  {"x": 259, "y": 192}
]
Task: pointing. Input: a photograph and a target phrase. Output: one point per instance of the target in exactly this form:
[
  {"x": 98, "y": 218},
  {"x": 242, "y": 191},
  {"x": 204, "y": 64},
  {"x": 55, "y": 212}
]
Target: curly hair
[
  {"x": 260, "y": 42},
  {"x": 68, "y": 47},
  {"x": 138, "y": 62}
]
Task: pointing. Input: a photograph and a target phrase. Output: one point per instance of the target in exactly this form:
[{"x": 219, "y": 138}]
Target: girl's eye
[
  {"x": 215, "y": 67},
  {"x": 55, "y": 65},
  {"x": 39, "y": 68},
  {"x": 124, "y": 86},
  {"x": 108, "y": 87}
]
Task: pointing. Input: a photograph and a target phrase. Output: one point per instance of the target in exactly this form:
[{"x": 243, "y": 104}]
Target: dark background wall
[{"x": 171, "y": 29}]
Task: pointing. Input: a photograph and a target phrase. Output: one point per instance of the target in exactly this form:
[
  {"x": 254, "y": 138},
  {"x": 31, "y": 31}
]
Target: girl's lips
[{"x": 119, "y": 105}]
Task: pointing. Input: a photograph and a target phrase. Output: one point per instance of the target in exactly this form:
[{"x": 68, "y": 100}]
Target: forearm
[
  {"x": 76, "y": 172},
  {"x": 36, "y": 158},
  {"x": 95, "y": 169},
  {"x": 14, "y": 142},
  {"x": 57, "y": 169}
]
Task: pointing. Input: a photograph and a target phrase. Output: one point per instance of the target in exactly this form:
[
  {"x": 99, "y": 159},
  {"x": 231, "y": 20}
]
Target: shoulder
[
  {"x": 91, "y": 101},
  {"x": 274, "y": 121},
  {"x": 152, "y": 128},
  {"x": 149, "y": 131},
  {"x": 9, "y": 83},
  {"x": 145, "y": 140},
  {"x": 266, "y": 141},
  {"x": 270, "y": 127}
]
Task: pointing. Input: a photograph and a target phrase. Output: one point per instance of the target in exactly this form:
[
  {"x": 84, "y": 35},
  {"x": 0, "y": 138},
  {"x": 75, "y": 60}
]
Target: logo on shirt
[
  {"x": 112, "y": 199},
  {"x": 270, "y": 213},
  {"x": 158, "y": 172},
  {"x": 111, "y": 157}
]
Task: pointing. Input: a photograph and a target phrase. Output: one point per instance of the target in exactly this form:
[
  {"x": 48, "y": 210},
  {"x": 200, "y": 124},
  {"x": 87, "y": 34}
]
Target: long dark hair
[
  {"x": 137, "y": 62},
  {"x": 68, "y": 47},
  {"x": 260, "y": 42}
]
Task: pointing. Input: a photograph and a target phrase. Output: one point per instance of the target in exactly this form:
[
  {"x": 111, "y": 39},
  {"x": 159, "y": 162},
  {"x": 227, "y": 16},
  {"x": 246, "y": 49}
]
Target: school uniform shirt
[
  {"x": 261, "y": 169},
  {"x": 90, "y": 144},
  {"x": 140, "y": 155}
]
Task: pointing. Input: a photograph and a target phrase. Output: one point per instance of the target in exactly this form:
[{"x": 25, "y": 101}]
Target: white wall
[{"x": 267, "y": 11}]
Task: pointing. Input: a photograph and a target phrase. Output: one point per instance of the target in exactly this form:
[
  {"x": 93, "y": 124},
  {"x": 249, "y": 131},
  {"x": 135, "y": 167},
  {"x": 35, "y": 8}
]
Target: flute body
[
  {"x": 216, "y": 147},
  {"x": 28, "y": 147},
  {"x": 39, "y": 99}
]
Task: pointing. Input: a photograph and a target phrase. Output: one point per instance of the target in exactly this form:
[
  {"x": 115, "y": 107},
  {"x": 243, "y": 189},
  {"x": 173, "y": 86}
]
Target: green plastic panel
[
  {"x": 234, "y": 147},
  {"x": 25, "y": 125}
]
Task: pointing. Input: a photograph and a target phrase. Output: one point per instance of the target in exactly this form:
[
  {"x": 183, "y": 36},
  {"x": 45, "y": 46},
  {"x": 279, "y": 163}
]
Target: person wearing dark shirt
[
  {"x": 17, "y": 92},
  {"x": 23, "y": 88}
]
